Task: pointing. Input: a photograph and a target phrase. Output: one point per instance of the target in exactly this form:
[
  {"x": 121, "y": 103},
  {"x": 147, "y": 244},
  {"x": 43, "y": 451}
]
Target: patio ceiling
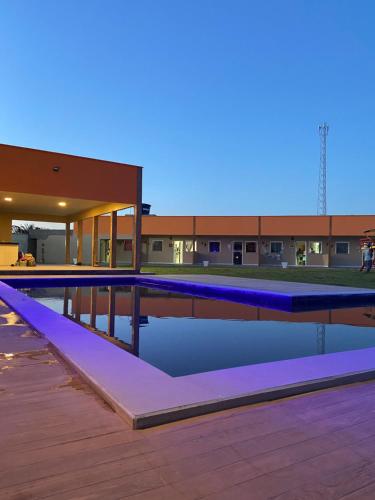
[{"x": 46, "y": 208}]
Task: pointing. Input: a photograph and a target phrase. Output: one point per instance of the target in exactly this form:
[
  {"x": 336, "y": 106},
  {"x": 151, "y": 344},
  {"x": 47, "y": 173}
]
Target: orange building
[
  {"x": 45, "y": 186},
  {"x": 326, "y": 241}
]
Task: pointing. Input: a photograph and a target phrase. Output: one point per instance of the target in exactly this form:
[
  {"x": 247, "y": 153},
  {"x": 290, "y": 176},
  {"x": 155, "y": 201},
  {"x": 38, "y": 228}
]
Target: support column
[
  {"x": 194, "y": 242},
  {"x": 111, "y": 311},
  {"x": 259, "y": 239},
  {"x": 68, "y": 259},
  {"x": 66, "y": 301},
  {"x": 93, "y": 300},
  {"x": 329, "y": 242},
  {"x": 79, "y": 241},
  {"x": 113, "y": 240},
  {"x": 94, "y": 241},
  {"x": 78, "y": 302},
  {"x": 136, "y": 307},
  {"x": 137, "y": 226}
]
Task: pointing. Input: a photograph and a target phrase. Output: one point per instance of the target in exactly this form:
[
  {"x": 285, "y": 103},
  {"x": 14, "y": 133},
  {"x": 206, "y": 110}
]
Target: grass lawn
[{"x": 345, "y": 277}]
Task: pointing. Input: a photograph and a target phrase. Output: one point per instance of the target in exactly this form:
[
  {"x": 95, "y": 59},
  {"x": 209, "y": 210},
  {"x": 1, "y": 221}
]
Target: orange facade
[
  {"x": 309, "y": 225},
  {"x": 168, "y": 225},
  {"x": 226, "y": 226},
  {"x": 25, "y": 170},
  {"x": 343, "y": 225},
  {"x": 55, "y": 187},
  {"x": 303, "y": 225},
  {"x": 125, "y": 225}
]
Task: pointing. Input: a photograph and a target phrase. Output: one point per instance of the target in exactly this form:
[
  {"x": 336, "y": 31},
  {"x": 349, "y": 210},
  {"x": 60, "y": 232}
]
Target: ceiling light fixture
[
  {"x": 62, "y": 204},
  {"x": 7, "y": 198}
]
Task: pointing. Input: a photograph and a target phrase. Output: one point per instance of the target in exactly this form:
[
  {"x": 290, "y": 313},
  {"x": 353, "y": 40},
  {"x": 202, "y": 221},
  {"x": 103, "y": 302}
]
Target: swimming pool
[
  {"x": 182, "y": 348},
  {"x": 183, "y": 335}
]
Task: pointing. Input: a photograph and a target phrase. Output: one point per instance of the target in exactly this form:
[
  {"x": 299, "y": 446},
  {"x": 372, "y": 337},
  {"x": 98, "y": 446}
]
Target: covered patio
[{"x": 45, "y": 186}]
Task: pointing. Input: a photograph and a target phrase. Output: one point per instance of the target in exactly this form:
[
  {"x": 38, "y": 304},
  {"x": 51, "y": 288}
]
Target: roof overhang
[
  {"x": 53, "y": 209},
  {"x": 55, "y": 187}
]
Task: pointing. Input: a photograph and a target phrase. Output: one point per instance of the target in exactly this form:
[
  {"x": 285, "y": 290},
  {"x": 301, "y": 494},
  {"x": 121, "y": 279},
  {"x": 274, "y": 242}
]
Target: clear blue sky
[{"x": 220, "y": 101}]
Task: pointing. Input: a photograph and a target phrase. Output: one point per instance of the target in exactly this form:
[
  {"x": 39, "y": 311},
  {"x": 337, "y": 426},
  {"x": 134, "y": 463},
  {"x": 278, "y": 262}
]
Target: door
[
  {"x": 104, "y": 251},
  {"x": 300, "y": 253},
  {"x": 178, "y": 255},
  {"x": 237, "y": 253},
  {"x": 32, "y": 246}
]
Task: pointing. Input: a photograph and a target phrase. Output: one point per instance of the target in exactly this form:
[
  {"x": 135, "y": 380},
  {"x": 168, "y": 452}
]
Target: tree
[{"x": 23, "y": 228}]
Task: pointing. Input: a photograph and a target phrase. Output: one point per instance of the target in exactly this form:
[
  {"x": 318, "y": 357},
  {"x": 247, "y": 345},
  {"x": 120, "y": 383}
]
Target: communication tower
[{"x": 322, "y": 188}]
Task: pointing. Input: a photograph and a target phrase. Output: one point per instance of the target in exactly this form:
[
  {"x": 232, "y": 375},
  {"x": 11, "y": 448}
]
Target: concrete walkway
[
  {"x": 284, "y": 287},
  {"x": 68, "y": 269},
  {"x": 284, "y": 295}
]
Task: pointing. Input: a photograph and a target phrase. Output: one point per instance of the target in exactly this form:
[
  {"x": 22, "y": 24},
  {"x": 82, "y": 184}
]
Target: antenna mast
[{"x": 322, "y": 188}]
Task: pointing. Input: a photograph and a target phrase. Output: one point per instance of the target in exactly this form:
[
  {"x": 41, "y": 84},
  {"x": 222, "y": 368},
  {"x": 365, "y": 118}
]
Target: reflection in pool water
[{"x": 181, "y": 334}]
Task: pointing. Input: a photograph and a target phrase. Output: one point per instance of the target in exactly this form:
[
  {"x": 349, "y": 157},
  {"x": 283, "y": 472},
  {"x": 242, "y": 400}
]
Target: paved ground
[
  {"x": 47, "y": 267},
  {"x": 59, "y": 440},
  {"x": 288, "y": 287},
  {"x": 69, "y": 269}
]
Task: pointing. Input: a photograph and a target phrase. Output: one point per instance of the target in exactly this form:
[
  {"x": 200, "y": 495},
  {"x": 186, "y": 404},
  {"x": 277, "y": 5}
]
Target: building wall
[
  {"x": 124, "y": 257},
  {"x": 225, "y": 256},
  {"x": 226, "y": 226},
  {"x": 22, "y": 240},
  {"x": 163, "y": 257},
  {"x": 344, "y": 225},
  {"x": 262, "y": 230},
  {"x": 294, "y": 225},
  {"x": 5, "y": 227},
  {"x": 51, "y": 250},
  {"x": 289, "y": 248},
  {"x": 353, "y": 258},
  {"x": 82, "y": 178},
  {"x": 168, "y": 225},
  {"x": 51, "y": 246}
]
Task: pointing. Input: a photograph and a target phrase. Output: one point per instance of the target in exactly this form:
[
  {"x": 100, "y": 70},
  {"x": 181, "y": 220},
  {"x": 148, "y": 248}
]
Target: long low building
[{"x": 321, "y": 241}]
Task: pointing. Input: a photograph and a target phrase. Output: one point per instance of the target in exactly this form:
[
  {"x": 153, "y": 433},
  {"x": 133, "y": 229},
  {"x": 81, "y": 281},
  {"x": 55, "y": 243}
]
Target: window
[
  {"x": 128, "y": 245},
  {"x": 214, "y": 246},
  {"x": 276, "y": 246},
  {"x": 237, "y": 246},
  {"x": 190, "y": 246},
  {"x": 251, "y": 247},
  {"x": 315, "y": 247},
  {"x": 157, "y": 246},
  {"x": 342, "y": 247}
]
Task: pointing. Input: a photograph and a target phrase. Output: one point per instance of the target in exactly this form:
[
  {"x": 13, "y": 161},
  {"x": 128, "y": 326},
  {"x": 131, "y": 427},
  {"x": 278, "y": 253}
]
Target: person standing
[{"x": 367, "y": 257}]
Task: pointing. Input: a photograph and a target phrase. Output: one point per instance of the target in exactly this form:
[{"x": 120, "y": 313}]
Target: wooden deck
[{"x": 59, "y": 440}]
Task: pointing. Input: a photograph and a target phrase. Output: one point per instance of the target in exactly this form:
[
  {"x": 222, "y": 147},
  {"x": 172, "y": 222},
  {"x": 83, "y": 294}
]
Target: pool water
[{"x": 182, "y": 335}]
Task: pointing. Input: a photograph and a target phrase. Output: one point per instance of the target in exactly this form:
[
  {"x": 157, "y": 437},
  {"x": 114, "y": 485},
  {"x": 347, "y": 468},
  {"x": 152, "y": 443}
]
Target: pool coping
[
  {"x": 325, "y": 296},
  {"x": 153, "y": 397}
]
